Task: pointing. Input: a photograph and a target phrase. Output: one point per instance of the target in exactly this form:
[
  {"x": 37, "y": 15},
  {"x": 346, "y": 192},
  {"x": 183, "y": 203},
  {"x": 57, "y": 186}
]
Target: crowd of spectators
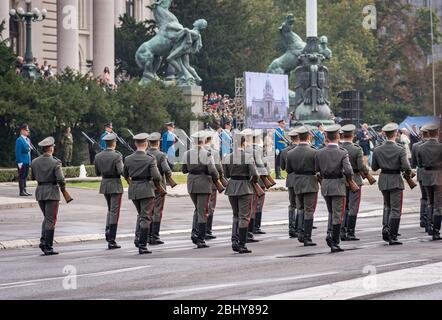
[
  {"x": 220, "y": 110},
  {"x": 45, "y": 69}
]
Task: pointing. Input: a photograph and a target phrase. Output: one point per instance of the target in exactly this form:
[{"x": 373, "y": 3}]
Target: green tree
[{"x": 6, "y": 55}]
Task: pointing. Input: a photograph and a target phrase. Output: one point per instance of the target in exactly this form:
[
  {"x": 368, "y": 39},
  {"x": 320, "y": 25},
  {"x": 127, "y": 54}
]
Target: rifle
[
  {"x": 90, "y": 140},
  {"x": 257, "y": 189},
  {"x": 368, "y": 177},
  {"x": 34, "y": 148},
  {"x": 224, "y": 181},
  {"x": 130, "y": 132},
  {"x": 282, "y": 137},
  {"x": 123, "y": 142},
  {"x": 160, "y": 189},
  {"x": 410, "y": 180},
  {"x": 67, "y": 197},
  {"x": 171, "y": 182},
  {"x": 414, "y": 134},
  {"x": 314, "y": 135},
  {"x": 219, "y": 186},
  {"x": 352, "y": 185}
]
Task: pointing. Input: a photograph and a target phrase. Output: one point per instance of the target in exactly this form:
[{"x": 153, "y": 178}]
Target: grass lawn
[{"x": 177, "y": 176}]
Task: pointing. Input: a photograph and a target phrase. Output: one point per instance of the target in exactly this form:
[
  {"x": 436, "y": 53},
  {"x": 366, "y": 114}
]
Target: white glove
[
  {"x": 20, "y": 165},
  {"x": 277, "y": 152}
]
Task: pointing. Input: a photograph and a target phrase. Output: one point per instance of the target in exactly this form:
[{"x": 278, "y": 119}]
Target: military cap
[
  {"x": 423, "y": 129},
  {"x": 247, "y": 132},
  {"x": 431, "y": 127},
  {"x": 110, "y": 137},
  {"x": 318, "y": 124},
  {"x": 156, "y": 136},
  {"x": 293, "y": 133},
  {"x": 349, "y": 128},
  {"x": 108, "y": 125},
  {"x": 228, "y": 123},
  {"x": 24, "y": 127},
  {"x": 141, "y": 136},
  {"x": 302, "y": 130},
  {"x": 170, "y": 124},
  {"x": 281, "y": 120},
  {"x": 333, "y": 128},
  {"x": 48, "y": 142},
  {"x": 390, "y": 127},
  {"x": 200, "y": 135}
]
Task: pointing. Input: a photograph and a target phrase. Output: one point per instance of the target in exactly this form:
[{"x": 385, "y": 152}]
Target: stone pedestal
[{"x": 194, "y": 95}]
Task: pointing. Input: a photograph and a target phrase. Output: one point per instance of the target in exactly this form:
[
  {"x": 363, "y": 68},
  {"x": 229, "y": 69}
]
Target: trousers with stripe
[
  {"x": 113, "y": 208},
  {"x": 336, "y": 210},
  {"x": 201, "y": 203},
  {"x": 159, "y": 207},
  {"x": 50, "y": 212},
  {"x": 392, "y": 205}
]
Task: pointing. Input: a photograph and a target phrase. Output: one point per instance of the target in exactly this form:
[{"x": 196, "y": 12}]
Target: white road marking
[
  {"x": 400, "y": 263},
  {"x": 18, "y": 286},
  {"x": 94, "y": 274},
  {"x": 380, "y": 283},
  {"x": 248, "y": 283}
]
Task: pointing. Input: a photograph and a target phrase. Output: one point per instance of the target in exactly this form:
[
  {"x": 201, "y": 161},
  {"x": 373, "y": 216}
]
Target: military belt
[
  {"x": 240, "y": 178},
  {"x": 49, "y": 183},
  {"x": 386, "y": 171},
  {"x": 112, "y": 177},
  {"x": 141, "y": 179},
  {"x": 333, "y": 176},
  {"x": 305, "y": 173}
]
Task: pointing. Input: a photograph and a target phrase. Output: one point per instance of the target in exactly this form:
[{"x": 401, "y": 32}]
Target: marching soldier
[
  {"x": 301, "y": 167},
  {"x": 239, "y": 167},
  {"x": 391, "y": 158},
  {"x": 213, "y": 195},
  {"x": 47, "y": 171},
  {"x": 414, "y": 165},
  {"x": 109, "y": 165},
  {"x": 165, "y": 170},
  {"x": 67, "y": 142},
  {"x": 430, "y": 159},
  {"x": 140, "y": 169},
  {"x": 353, "y": 199},
  {"x": 199, "y": 164},
  {"x": 293, "y": 215},
  {"x": 332, "y": 162}
]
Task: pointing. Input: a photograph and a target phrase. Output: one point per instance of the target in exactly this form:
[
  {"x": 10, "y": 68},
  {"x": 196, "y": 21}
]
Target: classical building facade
[
  {"x": 74, "y": 31},
  {"x": 268, "y": 108}
]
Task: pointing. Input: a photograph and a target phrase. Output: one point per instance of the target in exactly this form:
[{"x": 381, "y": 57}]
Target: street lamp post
[{"x": 29, "y": 16}]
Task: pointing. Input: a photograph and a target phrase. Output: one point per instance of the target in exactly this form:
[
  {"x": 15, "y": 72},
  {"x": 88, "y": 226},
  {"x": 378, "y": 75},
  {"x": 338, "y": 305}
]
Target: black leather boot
[
  {"x": 301, "y": 226},
  {"x": 106, "y": 233},
  {"x": 235, "y": 236},
  {"x": 308, "y": 226},
  {"x": 194, "y": 235},
  {"x": 209, "y": 235},
  {"x": 336, "y": 231},
  {"x": 436, "y": 228},
  {"x": 423, "y": 214},
  {"x": 251, "y": 229},
  {"x": 112, "y": 244},
  {"x": 21, "y": 188},
  {"x": 142, "y": 247},
  {"x": 242, "y": 249},
  {"x": 351, "y": 228},
  {"x": 155, "y": 234},
  {"x": 24, "y": 189},
  {"x": 201, "y": 243},
  {"x": 344, "y": 226},
  {"x": 49, "y": 241},
  {"x": 394, "y": 229},
  {"x": 258, "y": 219},
  {"x": 430, "y": 211},
  {"x": 42, "y": 237},
  {"x": 293, "y": 223}
]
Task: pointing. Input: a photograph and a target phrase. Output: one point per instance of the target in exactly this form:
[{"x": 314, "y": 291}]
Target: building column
[
  {"x": 104, "y": 37},
  {"x": 120, "y": 9},
  {"x": 4, "y": 15},
  {"x": 67, "y": 35}
]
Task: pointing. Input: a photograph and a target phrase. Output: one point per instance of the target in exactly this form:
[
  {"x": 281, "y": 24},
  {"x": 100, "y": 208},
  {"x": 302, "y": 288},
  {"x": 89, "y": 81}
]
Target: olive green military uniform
[
  {"x": 240, "y": 168},
  {"x": 391, "y": 158},
  {"x": 424, "y": 222},
  {"x": 199, "y": 164},
  {"x": 430, "y": 159},
  {"x": 334, "y": 166},
  {"x": 46, "y": 170},
  {"x": 301, "y": 167},
  {"x": 68, "y": 145},
  {"x": 165, "y": 170},
  {"x": 141, "y": 169},
  {"x": 109, "y": 165}
]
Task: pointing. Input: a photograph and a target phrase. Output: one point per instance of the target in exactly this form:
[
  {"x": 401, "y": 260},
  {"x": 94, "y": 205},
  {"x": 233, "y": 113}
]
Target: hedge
[{"x": 11, "y": 175}]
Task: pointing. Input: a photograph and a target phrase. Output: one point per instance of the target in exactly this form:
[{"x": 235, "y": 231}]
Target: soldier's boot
[
  {"x": 423, "y": 213},
  {"x": 201, "y": 243},
  {"x": 142, "y": 247},
  {"x": 242, "y": 249},
  {"x": 251, "y": 228},
  {"x": 42, "y": 238},
  {"x": 137, "y": 233},
  {"x": 394, "y": 229},
  {"x": 385, "y": 227},
  {"x": 155, "y": 234},
  {"x": 106, "y": 233},
  {"x": 278, "y": 174},
  {"x": 235, "y": 237},
  {"x": 344, "y": 227},
  {"x": 430, "y": 220},
  {"x": 112, "y": 244},
  {"x": 436, "y": 228},
  {"x": 293, "y": 225},
  {"x": 351, "y": 228},
  {"x": 301, "y": 227},
  {"x": 24, "y": 189},
  {"x": 258, "y": 224},
  {"x": 308, "y": 226},
  {"x": 336, "y": 231},
  {"x": 194, "y": 235},
  {"x": 49, "y": 241},
  {"x": 209, "y": 235},
  {"x": 21, "y": 187}
]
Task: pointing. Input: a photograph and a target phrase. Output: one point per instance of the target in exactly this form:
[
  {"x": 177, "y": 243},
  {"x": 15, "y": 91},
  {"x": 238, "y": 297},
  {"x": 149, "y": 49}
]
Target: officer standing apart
[
  {"x": 240, "y": 168},
  {"x": 301, "y": 167},
  {"x": 165, "y": 170},
  {"x": 47, "y": 171},
  {"x": 391, "y": 158},
  {"x": 199, "y": 164},
  {"x": 23, "y": 159},
  {"x": 67, "y": 143},
  {"x": 108, "y": 128},
  {"x": 353, "y": 199},
  {"x": 109, "y": 165},
  {"x": 226, "y": 139},
  {"x": 332, "y": 162},
  {"x": 430, "y": 159},
  {"x": 168, "y": 143},
  {"x": 293, "y": 222},
  {"x": 280, "y": 144},
  {"x": 424, "y": 223},
  {"x": 140, "y": 169}
]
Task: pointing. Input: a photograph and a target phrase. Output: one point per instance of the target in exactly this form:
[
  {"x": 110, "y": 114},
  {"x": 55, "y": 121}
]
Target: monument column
[
  {"x": 67, "y": 35},
  {"x": 104, "y": 37},
  {"x": 4, "y": 16}
]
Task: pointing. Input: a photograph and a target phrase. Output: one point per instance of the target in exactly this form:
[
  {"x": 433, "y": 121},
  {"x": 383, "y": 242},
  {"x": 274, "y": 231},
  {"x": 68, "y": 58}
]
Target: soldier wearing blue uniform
[
  {"x": 108, "y": 128},
  {"x": 168, "y": 144},
  {"x": 280, "y": 144},
  {"x": 23, "y": 158},
  {"x": 226, "y": 139}
]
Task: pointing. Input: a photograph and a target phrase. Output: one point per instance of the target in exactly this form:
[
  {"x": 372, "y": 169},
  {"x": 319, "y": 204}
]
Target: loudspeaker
[{"x": 352, "y": 103}]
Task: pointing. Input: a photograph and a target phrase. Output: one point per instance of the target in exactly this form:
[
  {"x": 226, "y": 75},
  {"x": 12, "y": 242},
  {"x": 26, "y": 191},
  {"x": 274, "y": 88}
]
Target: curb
[{"x": 15, "y": 244}]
